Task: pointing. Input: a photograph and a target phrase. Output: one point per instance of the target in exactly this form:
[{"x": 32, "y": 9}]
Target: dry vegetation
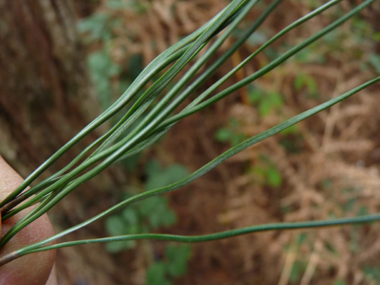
[{"x": 326, "y": 167}]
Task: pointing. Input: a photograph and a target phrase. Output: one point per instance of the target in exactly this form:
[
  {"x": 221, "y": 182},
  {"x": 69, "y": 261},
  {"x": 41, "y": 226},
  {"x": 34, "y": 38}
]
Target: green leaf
[
  {"x": 155, "y": 274},
  {"x": 275, "y": 99},
  {"x": 100, "y": 63},
  {"x": 95, "y": 26},
  {"x": 168, "y": 218},
  {"x": 303, "y": 80},
  {"x": 265, "y": 108},
  {"x": 159, "y": 177},
  {"x": 349, "y": 205},
  {"x": 149, "y": 206},
  {"x": 297, "y": 270},
  {"x": 130, "y": 216},
  {"x": 274, "y": 177},
  {"x": 157, "y": 212},
  {"x": 223, "y": 135},
  {"x": 330, "y": 247},
  {"x": 238, "y": 138},
  {"x": 374, "y": 60},
  {"x": 363, "y": 210},
  {"x": 299, "y": 81},
  {"x": 376, "y": 36},
  {"x": 372, "y": 271},
  {"x": 177, "y": 256},
  {"x": 259, "y": 171},
  {"x": 116, "y": 4},
  {"x": 302, "y": 238},
  {"x": 126, "y": 223},
  {"x": 115, "y": 225},
  {"x": 176, "y": 172},
  {"x": 134, "y": 229},
  {"x": 255, "y": 96},
  {"x": 101, "y": 70},
  {"x": 152, "y": 168},
  {"x": 234, "y": 122},
  {"x": 311, "y": 85}
]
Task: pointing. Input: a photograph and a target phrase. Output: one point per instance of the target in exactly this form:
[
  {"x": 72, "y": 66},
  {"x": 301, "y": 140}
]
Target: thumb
[{"x": 33, "y": 268}]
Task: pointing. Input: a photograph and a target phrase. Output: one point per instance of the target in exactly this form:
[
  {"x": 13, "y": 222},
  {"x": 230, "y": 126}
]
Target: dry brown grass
[{"x": 334, "y": 171}]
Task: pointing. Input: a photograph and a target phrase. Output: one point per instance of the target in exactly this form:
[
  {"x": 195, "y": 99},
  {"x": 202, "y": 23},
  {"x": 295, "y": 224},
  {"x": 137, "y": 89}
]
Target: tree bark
[{"x": 45, "y": 99}]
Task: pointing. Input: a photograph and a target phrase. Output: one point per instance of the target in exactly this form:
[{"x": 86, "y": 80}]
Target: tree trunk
[{"x": 45, "y": 99}]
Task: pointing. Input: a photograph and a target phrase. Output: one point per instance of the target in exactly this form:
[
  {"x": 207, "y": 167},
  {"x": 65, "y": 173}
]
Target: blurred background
[{"x": 63, "y": 62}]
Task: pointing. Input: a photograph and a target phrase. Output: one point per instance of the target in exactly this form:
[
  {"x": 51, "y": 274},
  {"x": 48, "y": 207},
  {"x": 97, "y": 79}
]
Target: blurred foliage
[
  {"x": 231, "y": 134},
  {"x": 109, "y": 78},
  {"x": 174, "y": 265},
  {"x": 372, "y": 273},
  {"x": 149, "y": 214},
  {"x": 304, "y": 80},
  {"x": 266, "y": 173},
  {"x": 354, "y": 41},
  {"x": 266, "y": 102}
]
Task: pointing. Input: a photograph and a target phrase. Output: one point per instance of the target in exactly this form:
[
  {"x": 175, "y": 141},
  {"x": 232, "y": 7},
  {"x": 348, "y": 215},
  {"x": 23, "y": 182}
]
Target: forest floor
[{"x": 327, "y": 166}]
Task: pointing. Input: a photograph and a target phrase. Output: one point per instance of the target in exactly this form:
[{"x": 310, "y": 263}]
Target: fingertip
[{"x": 32, "y": 268}]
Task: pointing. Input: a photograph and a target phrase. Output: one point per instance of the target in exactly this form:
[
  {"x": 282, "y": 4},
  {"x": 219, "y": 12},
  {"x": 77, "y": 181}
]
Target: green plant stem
[
  {"x": 157, "y": 122},
  {"x": 225, "y": 56},
  {"x": 258, "y": 74},
  {"x": 211, "y": 51},
  {"x": 120, "y": 127},
  {"x": 35, "y": 214},
  {"x": 147, "y": 74},
  {"x": 190, "y": 53},
  {"x": 261, "y": 72},
  {"x": 200, "y": 238},
  {"x": 247, "y": 143},
  {"x": 187, "y": 92},
  {"x": 156, "y": 111},
  {"x": 184, "y": 80}
]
